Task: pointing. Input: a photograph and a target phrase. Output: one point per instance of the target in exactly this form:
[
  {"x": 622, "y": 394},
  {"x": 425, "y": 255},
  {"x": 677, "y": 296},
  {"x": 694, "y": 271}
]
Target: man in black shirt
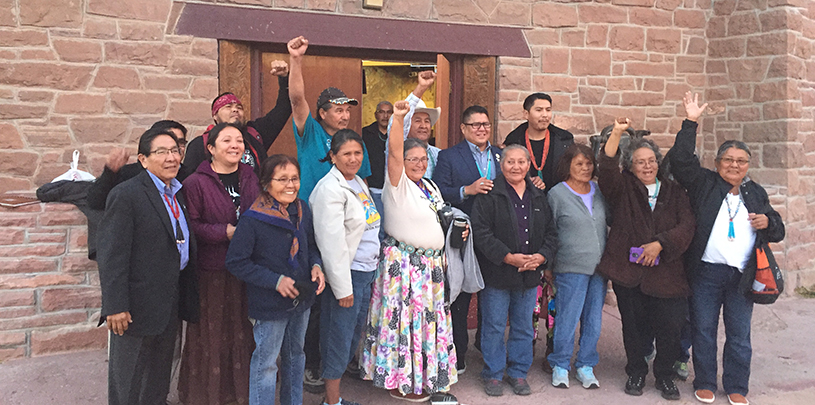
[
  {"x": 375, "y": 137},
  {"x": 258, "y": 135},
  {"x": 545, "y": 142}
]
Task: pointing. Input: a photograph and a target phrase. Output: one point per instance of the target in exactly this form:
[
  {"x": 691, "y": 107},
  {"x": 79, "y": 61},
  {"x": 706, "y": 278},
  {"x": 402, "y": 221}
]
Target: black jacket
[
  {"x": 139, "y": 260},
  {"x": 376, "y": 154},
  {"x": 495, "y": 234},
  {"x": 707, "y": 189},
  {"x": 268, "y": 126},
  {"x": 560, "y": 141}
]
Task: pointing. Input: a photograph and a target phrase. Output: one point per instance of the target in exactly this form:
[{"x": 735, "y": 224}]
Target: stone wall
[
  {"x": 49, "y": 290},
  {"x": 93, "y": 74}
]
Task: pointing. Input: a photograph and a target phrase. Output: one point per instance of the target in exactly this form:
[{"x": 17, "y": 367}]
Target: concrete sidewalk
[{"x": 783, "y": 371}]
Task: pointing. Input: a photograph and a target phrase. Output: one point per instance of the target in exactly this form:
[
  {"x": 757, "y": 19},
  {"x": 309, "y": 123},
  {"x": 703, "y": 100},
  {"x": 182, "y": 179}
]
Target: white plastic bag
[{"x": 75, "y": 174}]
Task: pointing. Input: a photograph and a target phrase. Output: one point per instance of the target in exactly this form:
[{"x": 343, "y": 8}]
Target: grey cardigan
[{"x": 581, "y": 237}]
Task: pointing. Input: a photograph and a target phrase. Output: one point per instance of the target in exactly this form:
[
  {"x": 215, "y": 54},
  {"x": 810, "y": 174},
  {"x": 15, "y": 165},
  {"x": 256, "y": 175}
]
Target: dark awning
[{"x": 343, "y": 31}]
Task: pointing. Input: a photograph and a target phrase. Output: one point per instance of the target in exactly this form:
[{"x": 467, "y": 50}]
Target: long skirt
[
  {"x": 218, "y": 349},
  {"x": 409, "y": 336}
]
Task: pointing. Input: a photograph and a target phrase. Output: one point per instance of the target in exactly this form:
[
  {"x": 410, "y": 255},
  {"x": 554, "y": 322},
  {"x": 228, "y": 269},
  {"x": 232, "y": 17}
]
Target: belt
[{"x": 390, "y": 241}]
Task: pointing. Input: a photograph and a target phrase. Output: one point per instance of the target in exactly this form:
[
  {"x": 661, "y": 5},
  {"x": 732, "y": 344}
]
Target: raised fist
[
  {"x": 280, "y": 68},
  {"x": 401, "y": 108},
  {"x": 297, "y": 46}
]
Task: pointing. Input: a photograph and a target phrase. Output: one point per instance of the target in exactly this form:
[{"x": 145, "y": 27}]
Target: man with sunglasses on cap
[
  {"x": 313, "y": 135},
  {"x": 258, "y": 135}
]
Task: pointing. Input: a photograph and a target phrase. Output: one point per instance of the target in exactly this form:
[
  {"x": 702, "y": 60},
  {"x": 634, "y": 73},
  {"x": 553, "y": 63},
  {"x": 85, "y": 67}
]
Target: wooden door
[{"x": 319, "y": 72}]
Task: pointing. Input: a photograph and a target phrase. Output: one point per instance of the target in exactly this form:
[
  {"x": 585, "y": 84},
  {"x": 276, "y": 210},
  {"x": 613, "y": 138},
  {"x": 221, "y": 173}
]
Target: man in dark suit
[
  {"x": 462, "y": 172},
  {"x": 146, "y": 273}
]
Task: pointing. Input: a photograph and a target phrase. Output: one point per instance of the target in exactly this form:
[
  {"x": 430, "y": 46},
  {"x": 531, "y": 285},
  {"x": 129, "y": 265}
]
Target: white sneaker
[
  {"x": 560, "y": 377},
  {"x": 585, "y": 375}
]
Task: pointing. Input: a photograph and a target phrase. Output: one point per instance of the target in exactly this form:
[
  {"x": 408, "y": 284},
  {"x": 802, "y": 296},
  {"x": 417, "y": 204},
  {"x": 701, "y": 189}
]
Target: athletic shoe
[
  {"x": 461, "y": 367},
  {"x": 634, "y": 385},
  {"x": 668, "y": 389},
  {"x": 705, "y": 396},
  {"x": 585, "y": 375},
  {"x": 443, "y": 398},
  {"x": 493, "y": 388},
  {"x": 519, "y": 386},
  {"x": 681, "y": 370},
  {"x": 560, "y": 377},
  {"x": 312, "y": 382}
]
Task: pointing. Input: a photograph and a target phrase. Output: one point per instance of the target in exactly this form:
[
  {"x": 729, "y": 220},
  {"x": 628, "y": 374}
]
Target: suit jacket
[
  {"x": 139, "y": 260},
  {"x": 456, "y": 167}
]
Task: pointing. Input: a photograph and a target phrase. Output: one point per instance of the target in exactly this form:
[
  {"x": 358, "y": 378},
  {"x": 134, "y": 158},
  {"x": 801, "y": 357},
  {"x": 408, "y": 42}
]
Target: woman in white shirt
[
  {"x": 346, "y": 228},
  {"x": 408, "y": 347}
]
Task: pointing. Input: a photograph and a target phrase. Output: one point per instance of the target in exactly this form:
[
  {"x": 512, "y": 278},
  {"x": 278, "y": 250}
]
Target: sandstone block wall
[{"x": 93, "y": 74}]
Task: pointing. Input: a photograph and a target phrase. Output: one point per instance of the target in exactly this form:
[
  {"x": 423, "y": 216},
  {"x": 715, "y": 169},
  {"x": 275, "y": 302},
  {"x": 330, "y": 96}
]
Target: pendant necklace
[
  {"x": 653, "y": 197},
  {"x": 538, "y": 167},
  {"x": 731, "y": 233}
]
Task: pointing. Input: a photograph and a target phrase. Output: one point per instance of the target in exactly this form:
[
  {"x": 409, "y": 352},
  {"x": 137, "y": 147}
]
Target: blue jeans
[
  {"x": 516, "y": 357},
  {"x": 341, "y": 328},
  {"x": 579, "y": 297},
  {"x": 282, "y": 337},
  {"x": 716, "y": 286}
]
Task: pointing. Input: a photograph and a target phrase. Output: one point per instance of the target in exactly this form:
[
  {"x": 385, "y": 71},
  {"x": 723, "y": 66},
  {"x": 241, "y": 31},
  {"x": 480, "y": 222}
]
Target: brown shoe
[
  {"x": 737, "y": 399},
  {"x": 705, "y": 396}
]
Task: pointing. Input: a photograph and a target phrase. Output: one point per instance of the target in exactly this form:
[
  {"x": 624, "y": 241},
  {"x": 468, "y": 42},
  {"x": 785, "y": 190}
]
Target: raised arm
[
  {"x": 396, "y": 144},
  {"x": 270, "y": 125},
  {"x": 297, "y": 90},
  {"x": 613, "y": 142},
  {"x": 685, "y": 164}
]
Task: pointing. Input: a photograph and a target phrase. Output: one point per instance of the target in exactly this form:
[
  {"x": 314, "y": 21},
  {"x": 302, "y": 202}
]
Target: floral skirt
[{"x": 409, "y": 336}]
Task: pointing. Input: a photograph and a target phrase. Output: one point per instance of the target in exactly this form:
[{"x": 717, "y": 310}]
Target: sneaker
[
  {"x": 493, "y": 388},
  {"x": 705, "y": 396},
  {"x": 668, "y": 389},
  {"x": 681, "y": 370},
  {"x": 737, "y": 399},
  {"x": 423, "y": 397},
  {"x": 634, "y": 385},
  {"x": 443, "y": 398},
  {"x": 519, "y": 386},
  {"x": 560, "y": 377},
  {"x": 312, "y": 382},
  {"x": 461, "y": 367},
  {"x": 346, "y": 402},
  {"x": 585, "y": 375}
]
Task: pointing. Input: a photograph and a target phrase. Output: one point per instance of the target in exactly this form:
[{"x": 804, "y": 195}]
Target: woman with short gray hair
[
  {"x": 652, "y": 226},
  {"x": 733, "y": 217}
]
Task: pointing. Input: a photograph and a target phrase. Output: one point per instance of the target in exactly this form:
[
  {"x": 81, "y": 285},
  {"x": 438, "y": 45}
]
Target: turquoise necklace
[{"x": 731, "y": 232}]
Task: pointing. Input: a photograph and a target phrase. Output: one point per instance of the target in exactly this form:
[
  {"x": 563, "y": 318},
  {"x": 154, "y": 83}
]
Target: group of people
[{"x": 362, "y": 254}]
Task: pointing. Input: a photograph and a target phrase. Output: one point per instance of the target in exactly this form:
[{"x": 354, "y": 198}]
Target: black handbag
[
  {"x": 445, "y": 212},
  {"x": 762, "y": 281}
]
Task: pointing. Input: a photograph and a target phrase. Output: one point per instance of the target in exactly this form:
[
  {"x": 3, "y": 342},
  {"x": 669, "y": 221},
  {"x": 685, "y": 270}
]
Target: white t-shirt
[
  {"x": 410, "y": 218},
  {"x": 367, "y": 255},
  {"x": 737, "y": 252}
]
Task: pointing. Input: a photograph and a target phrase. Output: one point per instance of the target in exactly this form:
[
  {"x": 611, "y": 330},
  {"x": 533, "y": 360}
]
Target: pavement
[{"x": 783, "y": 371}]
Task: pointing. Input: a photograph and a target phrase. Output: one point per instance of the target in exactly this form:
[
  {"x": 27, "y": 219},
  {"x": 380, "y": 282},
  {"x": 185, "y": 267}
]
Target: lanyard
[
  {"x": 489, "y": 165},
  {"x": 545, "y": 152},
  {"x": 176, "y": 210}
]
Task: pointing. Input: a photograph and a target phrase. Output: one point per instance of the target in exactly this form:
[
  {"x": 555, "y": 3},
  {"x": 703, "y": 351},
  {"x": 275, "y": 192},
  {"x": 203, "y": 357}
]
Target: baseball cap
[{"x": 334, "y": 95}]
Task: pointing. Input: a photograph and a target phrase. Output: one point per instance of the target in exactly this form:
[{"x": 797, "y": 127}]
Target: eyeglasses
[
  {"x": 415, "y": 160},
  {"x": 729, "y": 161},
  {"x": 650, "y": 162},
  {"x": 478, "y": 125},
  {"x": 286, "y": 180},
  {"x": 162, "y": 152}
]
